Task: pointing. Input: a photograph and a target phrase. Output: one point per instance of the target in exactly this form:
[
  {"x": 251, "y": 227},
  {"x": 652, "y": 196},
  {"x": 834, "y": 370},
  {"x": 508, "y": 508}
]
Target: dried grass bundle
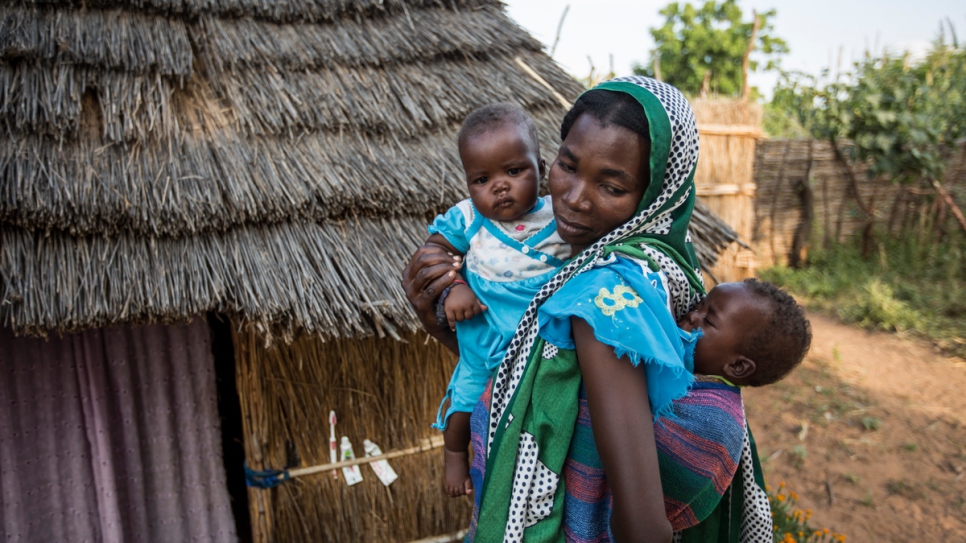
[
  {"x": 113, "y": 39},
  {"x": 414, "y": 35},
  {"x": 382, "y": 390},
  {"x": 337, "y": 279},
  {"x": 287, "y": 11},
  {"x": 710, "y": 235},
  {"x": 403, "y": 99},
  {"x": 205, "y": 182},
  {"x": 39, "y": 98}
]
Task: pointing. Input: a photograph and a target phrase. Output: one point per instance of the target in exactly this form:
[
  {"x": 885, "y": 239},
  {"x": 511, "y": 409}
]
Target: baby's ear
[
  {"x": 740, "y": 369},
  {"x": 542, "y": 165}
]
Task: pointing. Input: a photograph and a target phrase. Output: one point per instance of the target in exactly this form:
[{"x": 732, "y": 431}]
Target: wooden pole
[
  {"x": 746, "y": 60},
  {"x": 424, "y": 445},
  {"x": 556, "y": 38},
  {"x": 529, "y": 71},
  {"x": 446, "y": 538},
  {"x": 948, "y": 199}
]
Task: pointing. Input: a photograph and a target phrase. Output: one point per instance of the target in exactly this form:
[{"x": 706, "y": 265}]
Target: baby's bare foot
[{"x": 457, "y": 474}]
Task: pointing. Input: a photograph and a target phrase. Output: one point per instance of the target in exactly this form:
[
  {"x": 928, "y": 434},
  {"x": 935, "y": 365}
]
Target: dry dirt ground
[{"x": 871, "y": 434}]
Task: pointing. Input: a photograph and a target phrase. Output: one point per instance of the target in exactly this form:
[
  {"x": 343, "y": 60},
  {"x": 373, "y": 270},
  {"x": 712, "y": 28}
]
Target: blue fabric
[
  {"x": 483, "y": 339},
  {"x": 642, "y": 330},
  {"x": 689, "y": 340},
  {"x": 452, "y": 226}
]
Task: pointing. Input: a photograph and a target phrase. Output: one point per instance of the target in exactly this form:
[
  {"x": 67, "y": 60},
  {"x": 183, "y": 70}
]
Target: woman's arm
[
  {"x": 623, "y": 427},
  {"x": 430, "y": 270}
]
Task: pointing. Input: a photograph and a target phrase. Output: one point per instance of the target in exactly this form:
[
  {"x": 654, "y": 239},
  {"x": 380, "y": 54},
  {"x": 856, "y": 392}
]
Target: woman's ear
[
  {"x": 542, "y": 167},
  {"x": 739, "y": 369}
]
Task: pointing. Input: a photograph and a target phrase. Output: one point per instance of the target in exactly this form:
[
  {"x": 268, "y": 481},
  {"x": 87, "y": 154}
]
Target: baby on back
[
  {"x": 742, "y": 334},
  {"x": 752, "y": 333}
]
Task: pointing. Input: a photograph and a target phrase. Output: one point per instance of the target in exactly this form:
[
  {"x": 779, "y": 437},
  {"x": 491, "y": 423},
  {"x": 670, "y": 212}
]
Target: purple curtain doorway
[{"x": 112, "y": 435}]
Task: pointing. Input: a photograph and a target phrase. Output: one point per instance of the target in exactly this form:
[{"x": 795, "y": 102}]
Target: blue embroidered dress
[{"x": 506, "y": 263}]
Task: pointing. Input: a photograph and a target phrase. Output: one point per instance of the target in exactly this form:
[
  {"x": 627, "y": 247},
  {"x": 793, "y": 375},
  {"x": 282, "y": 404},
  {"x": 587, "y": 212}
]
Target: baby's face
[
  {"x": 729, "y": 315},
  {"x": 502, "y": 172}
]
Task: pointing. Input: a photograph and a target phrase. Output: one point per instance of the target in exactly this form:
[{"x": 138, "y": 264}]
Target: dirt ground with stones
[{"x": 870, "y": 432}]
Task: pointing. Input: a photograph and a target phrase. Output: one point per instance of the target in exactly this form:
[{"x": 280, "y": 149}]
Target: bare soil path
[{"x": 871, "y": 434}]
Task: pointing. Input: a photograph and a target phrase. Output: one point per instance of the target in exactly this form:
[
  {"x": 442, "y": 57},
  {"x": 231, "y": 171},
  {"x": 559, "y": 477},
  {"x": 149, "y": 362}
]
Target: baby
[
  {"x": 751, "y": 334},
  {"x": 509, "y": 238}
]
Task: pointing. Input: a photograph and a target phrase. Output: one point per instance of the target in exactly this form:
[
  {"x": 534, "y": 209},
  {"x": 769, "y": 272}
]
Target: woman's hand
[
  {"x": 430, "y": 270},
  {"x": 620, "y": 415}
]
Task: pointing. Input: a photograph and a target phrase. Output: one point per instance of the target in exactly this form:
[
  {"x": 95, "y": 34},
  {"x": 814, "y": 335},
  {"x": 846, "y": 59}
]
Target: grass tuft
[{"x": 910, "y": 286}]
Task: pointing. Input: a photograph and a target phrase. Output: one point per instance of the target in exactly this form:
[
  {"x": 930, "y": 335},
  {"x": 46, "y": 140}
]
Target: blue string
[{"x": 269, "y": 478}]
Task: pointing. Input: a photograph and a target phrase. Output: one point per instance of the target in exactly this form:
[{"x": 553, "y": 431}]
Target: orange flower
[{"x": 780, "y": 497}]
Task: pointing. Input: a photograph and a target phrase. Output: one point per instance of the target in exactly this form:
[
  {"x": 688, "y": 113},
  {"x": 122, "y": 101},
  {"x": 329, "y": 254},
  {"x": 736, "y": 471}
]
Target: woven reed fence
[
  {"x": 728, "y": 131},
  {"x": 804, "y": 190},
  {"x": 382, "y": 390}
]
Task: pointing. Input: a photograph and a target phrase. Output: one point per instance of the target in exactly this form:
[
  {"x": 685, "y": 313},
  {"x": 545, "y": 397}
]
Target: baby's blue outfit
[{"x": 505, "y": 263}]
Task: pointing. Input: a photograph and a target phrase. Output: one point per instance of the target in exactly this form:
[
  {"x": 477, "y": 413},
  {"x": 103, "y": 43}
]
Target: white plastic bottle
[
  {"x": 352, "y": 474},
  {"x": 383, "y": 470}
]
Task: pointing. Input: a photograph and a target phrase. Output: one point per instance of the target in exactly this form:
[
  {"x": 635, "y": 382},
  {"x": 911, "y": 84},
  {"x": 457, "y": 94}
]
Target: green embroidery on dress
[{"x": 610, "y": 303}]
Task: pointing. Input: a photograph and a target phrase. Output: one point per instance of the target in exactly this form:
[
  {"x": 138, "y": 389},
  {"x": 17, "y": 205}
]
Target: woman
[{"x": 622, "y": 189}]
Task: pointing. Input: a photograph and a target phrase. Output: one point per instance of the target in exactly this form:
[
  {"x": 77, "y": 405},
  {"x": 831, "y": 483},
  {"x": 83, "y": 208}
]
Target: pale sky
[{"x": 815, "y": 30}]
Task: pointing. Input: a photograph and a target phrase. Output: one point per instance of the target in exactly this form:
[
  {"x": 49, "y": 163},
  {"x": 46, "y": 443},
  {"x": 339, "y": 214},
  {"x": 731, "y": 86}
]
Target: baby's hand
[{"x": 461, "y": 305}]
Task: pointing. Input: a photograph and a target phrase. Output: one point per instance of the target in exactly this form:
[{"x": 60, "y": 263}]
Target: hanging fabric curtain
[{"x": 112, "y": 435}]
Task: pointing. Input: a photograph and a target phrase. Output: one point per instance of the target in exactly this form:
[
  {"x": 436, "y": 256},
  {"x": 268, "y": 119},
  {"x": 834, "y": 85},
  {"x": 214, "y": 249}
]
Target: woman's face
[{"x": 597, "y": 180}]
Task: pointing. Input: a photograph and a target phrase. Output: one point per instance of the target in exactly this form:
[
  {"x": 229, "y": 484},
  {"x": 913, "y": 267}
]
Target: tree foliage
[
  {"x": 709, "y": 41},
  {"x": 903, "y": 117}
]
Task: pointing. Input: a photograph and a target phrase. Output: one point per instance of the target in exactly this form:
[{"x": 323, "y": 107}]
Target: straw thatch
[
  {"x": 275, "y": 161},
  {"x": 382, "y": 390},
  {"x": 179, "y": 154},
  {"x": 724, "y": 179}
]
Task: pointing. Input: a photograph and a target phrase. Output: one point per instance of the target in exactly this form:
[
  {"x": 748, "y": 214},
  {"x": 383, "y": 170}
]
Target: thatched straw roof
[{"x": 273, "y": 161}]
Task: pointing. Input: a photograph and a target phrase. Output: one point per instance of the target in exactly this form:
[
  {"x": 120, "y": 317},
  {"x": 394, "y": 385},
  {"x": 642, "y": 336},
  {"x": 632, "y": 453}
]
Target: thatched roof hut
[
  {"x": 266, "y": 160},
  {"x": 275, "y": 163}
]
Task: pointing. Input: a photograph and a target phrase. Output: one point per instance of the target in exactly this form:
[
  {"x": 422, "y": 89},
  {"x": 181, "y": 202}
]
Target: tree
[
  {"x": 902, "y": 118},
  {"x": 702, "y": 48}
]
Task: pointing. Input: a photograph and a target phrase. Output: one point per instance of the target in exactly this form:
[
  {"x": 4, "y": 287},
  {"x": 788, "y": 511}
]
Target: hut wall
[
  {"x": 724, "y": 177},
  {"x": 381, "y": 389},
  {"x": 112, "y": 434},
  {"x": 804, "y": 190}
]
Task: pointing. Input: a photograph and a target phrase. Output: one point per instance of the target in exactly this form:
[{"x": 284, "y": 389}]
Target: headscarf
[{"x": 657, "y": 234}]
